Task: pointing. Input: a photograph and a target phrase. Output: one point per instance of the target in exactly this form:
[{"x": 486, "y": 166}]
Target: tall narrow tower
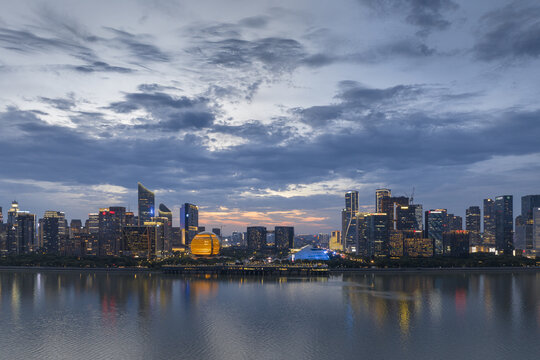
[{"x": 146, "y": 204}]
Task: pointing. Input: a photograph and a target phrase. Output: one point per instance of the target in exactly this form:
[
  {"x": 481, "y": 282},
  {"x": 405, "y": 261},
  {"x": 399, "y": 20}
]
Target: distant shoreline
[{"x": 335, "y": 271}]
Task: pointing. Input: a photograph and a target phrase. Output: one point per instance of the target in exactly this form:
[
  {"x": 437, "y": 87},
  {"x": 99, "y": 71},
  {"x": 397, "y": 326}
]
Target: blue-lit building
[
  {"x": 309, "y": 252},
  {"x": 189, "y": 222}
]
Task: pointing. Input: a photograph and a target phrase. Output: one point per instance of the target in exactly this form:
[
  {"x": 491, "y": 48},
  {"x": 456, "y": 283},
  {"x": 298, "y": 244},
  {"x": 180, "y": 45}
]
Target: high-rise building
[
  {"x": 416, "y": 245},
  {"x": 217, "y": 231},
  {"x": 1, "y": 216},
  {"x": 256, "y": 237},
  {"x": 455, "y": 222},
  {"x": 504, "y": 223},
  {"x": 436, "y": 225},
  {"x": 92, "y": 223},
  {"x": 165, "y": 212},
  {"x": 111, "y": 222},
  {"x": 24, "y": 234},
  {"x": 363, "y": 245},
  {"x": 456, "y": 243},
  {"x": 146, "y": 204},
  {"x": 238, "y": 238},
  {"x": 390, "y": 206},
  {"x": 395, "y": 243},
  {"x": 409, "y": 217},
  {"x": 335, "y": 241},
  {"x": 189, "y": 222},
  {"x": 377, "y": 234},
  {"x": 379, "y": 195},
  {"x": 536, "y": 230},
  {"x": 52, "y": 231},
  {"x": 488, "y": 238},
  {"x": 284, "y": 237},
  {"x": 12, "y": 213},
  {"x": 528, "y": 204},
  {"x": 348, "y": 222},
  {"x": 472, "y": 224}
]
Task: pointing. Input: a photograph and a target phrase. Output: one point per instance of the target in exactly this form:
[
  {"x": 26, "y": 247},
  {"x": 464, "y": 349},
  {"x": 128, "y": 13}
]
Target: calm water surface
[{"x": 84, "y": 315}]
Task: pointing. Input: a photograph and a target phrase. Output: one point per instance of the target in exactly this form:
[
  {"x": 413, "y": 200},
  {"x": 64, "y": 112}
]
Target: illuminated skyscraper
[
  {"x": 111, "y": 222},
  {"x": 456, "y": 243},
  {"x": 472, "y": 224},
  {"x": 409, "y": 217},
  {"x": 390, "y": 206},
  {"x": 504, "y": 223},
  {"x": 23, "y": 241},
  {"x": 335, "y": 241},
  {"x": 348, "y": 222},
  {"x": 436, "y": 225},
  {"x": 455, "y": 222},
  {"x": 528, "y": 204},
  {"x": 377, "y": 234},
  {"x": 146, "y": 204},
  {"x": 379, "y": 195},
  {"x": 12, "y": 213},
  {"x": 256, "y": 237},
  {"x": 52, "y": 231},
  {"x": 189, "y": 222},
  {"x": 165, "y": 212},
  {"x": 488, "y": 238},
  {"x": 284, "y": 237}
]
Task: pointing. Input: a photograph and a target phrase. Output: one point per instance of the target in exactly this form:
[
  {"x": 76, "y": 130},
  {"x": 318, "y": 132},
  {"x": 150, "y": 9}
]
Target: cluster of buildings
[
  {"x": 115, "y": 231},
  {"x": 400, "y": 228}
]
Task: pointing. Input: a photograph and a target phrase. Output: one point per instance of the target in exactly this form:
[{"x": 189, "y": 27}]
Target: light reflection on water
[{"x": 85, "y": 315}]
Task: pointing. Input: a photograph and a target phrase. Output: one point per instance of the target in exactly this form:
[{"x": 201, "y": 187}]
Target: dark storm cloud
[
  {"x": 428, "y": 15},
  {"x": 254, "y": 21},
  {"x": 139, "y": 46},
  {"x": 510, "y": 32},
  {"x": 168, "y": 112}
]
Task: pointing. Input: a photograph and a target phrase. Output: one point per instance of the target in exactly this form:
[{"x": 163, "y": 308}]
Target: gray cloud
[
  {"x": 510, "y": 32},
  {"x": 139, "y": 46}
]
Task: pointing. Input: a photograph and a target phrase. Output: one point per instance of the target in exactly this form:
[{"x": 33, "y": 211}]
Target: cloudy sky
[{"x": 266, "y": 112}]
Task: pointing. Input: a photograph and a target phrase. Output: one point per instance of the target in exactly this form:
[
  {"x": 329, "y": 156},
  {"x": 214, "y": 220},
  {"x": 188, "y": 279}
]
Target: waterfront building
[
  {"x": 472, "y": 224},
  {"x": 379, "y": 195},
  {"x": 348, "y": 222},
  {"x": 284, "y": 237},
  {"x": 189, "y": 222},
  {"x": 162, "y": 233},
  {"x": 309, "y": 252},
  {"x": 488, "y": 238},
  {"x": 416, "y": 245},
  {"x": 25, "y": 233},
  {"x": 363, "y": 244},
  {"x": 92, "y": 223},
  {"x": 436, "y": 225},
  {"x": 140, "y": 241},
  {"x": 146, "y": 204},
  {"x": 504, "y": 223},
  {"x": 205, "y": 244},
  {"x": 456, "y": 243},
  {"x": 335, "y": 241},
  {"x": 111, "y": 223},
  {"x": 256, "y": 237}
]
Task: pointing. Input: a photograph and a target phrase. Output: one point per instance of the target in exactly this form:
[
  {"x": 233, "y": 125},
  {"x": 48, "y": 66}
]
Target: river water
[{"x": 98, "y": 315}]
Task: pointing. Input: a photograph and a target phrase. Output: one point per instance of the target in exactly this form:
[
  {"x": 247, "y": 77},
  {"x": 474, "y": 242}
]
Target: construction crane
[{"x": 411, "y": 198}]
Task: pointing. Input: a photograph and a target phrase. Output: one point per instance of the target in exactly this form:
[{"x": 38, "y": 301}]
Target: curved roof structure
[
  {"x": 205, "y": 244},
  {"x": 309, "y": 252}
]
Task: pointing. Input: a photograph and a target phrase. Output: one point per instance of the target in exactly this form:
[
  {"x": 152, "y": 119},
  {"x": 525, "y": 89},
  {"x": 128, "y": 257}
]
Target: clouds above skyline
[{"x": 264, "y": 114}]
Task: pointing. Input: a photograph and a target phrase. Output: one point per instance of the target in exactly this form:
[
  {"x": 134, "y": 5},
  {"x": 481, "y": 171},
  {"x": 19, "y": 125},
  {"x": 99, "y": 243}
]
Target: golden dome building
[{"x": 205, "y": 244}]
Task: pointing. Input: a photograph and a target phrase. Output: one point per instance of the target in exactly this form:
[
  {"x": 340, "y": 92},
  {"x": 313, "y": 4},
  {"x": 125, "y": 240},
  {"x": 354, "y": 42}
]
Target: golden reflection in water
[{"x": 404, "y": 317}]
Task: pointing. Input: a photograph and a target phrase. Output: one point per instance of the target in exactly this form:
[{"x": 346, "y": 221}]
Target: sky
[{"x": 267, "y": 112}]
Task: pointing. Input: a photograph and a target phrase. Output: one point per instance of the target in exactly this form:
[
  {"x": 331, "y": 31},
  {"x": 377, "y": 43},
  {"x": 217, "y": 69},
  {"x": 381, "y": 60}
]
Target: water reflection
[{"x": 143, "y": 315}]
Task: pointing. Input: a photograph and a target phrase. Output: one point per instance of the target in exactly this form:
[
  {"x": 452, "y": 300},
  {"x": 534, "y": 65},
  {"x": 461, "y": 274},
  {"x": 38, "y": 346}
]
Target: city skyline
[{"x": 267, "y": 113}]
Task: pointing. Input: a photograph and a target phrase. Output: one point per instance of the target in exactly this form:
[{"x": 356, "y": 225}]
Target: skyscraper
[
  {"x": 379, "y": 195},
  {"x": 455, "y": 222},
  {"x": 165, "y": 212},
  {"x": 1, "y": 216},
  {"x": 52, "y": 231},
  {"x": 409, "y": 217},
  {"x": 189, "y": 222},
  {"x": 146, "y": 204},
  {"x": 504, "y": 223},
  {"x": 348, "y": 222},
  {"x": 284, "y": 237},
  {"x": 256, "y": 237},
  {"x": 436, "y": 225},
  {"x": 528, "y": 204},
  {"x": 488, "y": 238},
  {"x": 335, "y": 241},
  {"x": 377, "y": 234},
  {"x": 24, "y": 233},
  {"x": 111, "y": 223},
  {"x": 472, "y": 224},
  {"x": 390, "y": 206},
  {"x": 536, "y": 230},
  {"x": 456, "y": 243}
]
